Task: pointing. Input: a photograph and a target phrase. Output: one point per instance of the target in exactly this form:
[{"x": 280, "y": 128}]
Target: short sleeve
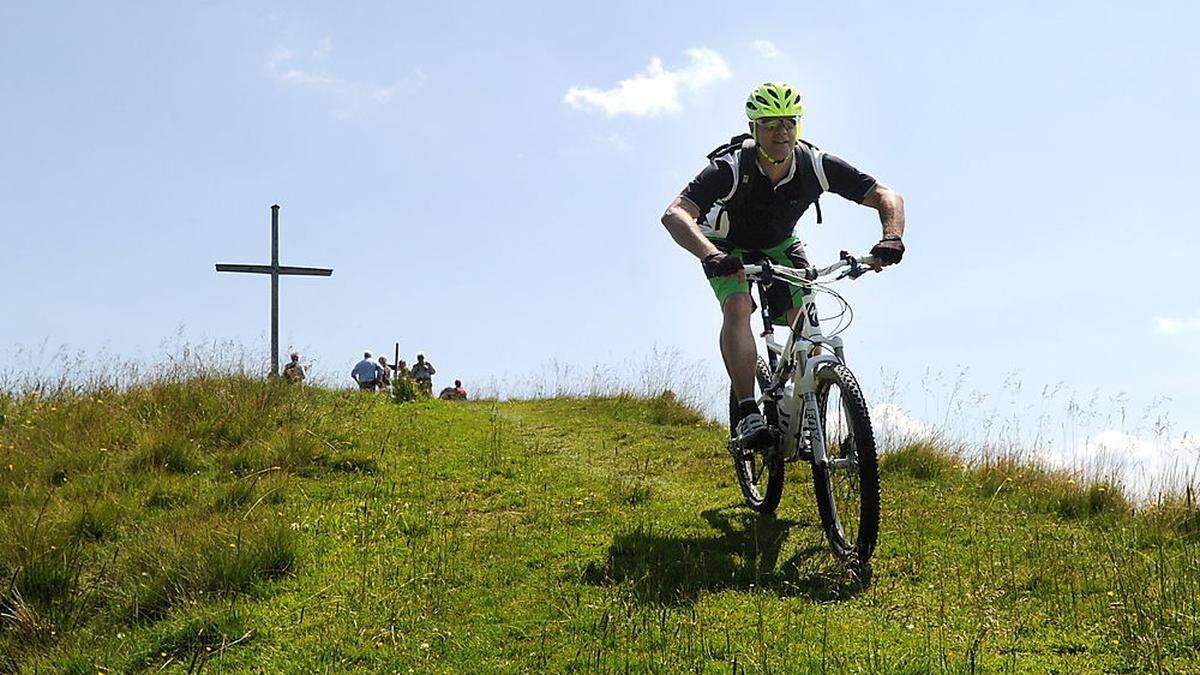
[
  {"x": 711, "y": 184},
  {"x": 846, "y": 180}
]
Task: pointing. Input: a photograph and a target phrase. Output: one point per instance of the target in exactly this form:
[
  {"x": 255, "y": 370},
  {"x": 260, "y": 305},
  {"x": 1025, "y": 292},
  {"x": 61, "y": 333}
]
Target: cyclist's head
[
  {"x": 295, "y": 356},
  {"x": 420, "y": 357},
  {"x": 366, "y": 355},
  {"x": 774, "y": 99},
  {"x": 774, "y": 109},
  {"x": 458, "y": 383}
]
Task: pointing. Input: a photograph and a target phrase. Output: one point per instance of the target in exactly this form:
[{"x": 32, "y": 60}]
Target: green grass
[{"x": 236, "y": 525}]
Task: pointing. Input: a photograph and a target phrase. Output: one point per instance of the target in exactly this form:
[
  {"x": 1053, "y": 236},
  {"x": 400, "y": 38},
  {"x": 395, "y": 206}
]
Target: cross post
[{"x": 275, "y": 270}]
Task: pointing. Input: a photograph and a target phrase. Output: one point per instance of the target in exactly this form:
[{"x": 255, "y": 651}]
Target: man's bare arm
[
  {"x": 680, "y": 220},
  {"x": 890, "y": 206}
]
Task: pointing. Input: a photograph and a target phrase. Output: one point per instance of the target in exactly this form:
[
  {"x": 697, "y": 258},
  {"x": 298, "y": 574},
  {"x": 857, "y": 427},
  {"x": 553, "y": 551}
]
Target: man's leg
[
  {"x": 740, "y": 354},
  {"x": 737, "y": 343}
]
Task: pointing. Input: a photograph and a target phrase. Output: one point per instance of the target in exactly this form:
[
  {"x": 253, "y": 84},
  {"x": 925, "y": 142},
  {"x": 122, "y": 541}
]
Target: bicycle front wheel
[
  {"x": 759, "y": 473},
  {"x": 848, "y": 486}
]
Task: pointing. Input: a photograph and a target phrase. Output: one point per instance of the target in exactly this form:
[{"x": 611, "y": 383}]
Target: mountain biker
[{"x": 745, "y": 204}]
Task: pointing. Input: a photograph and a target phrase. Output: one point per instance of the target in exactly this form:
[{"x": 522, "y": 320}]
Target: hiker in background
[
  {"x": 422, "y": 372},
  {"x": 366, "y": 373},
  {"x": 402, "y": 369},
  {"x": 455, "y": 393},
  {"x": 294, "y": 372},
  {"x": 385, "y": 374}
]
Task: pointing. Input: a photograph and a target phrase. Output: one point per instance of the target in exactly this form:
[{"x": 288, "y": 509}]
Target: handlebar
[{"x": 857, "y": 267}]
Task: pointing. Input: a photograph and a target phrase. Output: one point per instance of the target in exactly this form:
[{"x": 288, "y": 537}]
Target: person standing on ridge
[
  {"x": 402, "y": 369},
  {"x": 744, "y": 206},
  {"x": 366, "y": 373},
  {"x": 422, "y": 372},
  {"x": 294, "y": 372},
  {"x": 385, "y": 376}
]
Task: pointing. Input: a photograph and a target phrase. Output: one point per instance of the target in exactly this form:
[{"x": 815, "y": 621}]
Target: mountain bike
[{"x": 815, "y": 411}]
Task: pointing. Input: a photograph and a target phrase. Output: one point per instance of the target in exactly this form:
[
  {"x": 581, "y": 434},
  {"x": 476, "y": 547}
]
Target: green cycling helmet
[{"x": 774, "y": 99}]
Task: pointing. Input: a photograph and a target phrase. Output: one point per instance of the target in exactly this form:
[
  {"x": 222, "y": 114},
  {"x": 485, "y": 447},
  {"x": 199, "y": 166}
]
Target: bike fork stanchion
[{"x": 812, "y": 427}]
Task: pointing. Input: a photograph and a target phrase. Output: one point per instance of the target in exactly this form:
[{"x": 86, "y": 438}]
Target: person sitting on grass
[{"x": 455, "y": 393}]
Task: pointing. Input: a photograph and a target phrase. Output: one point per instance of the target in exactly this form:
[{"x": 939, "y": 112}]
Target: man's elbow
[
  {"x": 890, "y": 197},
  {"x": 669, "y": 216}
]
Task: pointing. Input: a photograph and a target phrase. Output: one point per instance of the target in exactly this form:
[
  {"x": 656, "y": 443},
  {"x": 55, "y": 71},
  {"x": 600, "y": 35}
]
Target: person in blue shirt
[{"x": 366, "y": 373}]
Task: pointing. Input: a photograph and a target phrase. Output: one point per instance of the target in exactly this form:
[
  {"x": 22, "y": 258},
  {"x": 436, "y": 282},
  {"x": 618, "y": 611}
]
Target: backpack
[{"x": 815, "y": 184}]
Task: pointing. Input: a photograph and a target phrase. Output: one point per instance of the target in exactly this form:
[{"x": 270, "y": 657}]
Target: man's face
[{"x": 775, "y": 135}]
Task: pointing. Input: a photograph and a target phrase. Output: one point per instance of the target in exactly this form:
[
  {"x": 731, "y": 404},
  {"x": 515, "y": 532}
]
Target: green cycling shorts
[{"x": 781, "y": 296}]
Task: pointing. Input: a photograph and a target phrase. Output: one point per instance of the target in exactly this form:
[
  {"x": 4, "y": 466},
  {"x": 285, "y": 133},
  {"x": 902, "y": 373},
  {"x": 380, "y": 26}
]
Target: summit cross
[{"x": 275, "y": 270}]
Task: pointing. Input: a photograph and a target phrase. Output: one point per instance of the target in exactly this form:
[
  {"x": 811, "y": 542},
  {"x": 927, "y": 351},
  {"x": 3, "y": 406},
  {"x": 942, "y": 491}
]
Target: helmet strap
[{"x": 762, "y": 153}]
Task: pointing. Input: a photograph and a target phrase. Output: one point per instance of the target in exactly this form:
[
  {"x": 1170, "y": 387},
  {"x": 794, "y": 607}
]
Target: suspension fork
[{"x": 811, "y": 428}]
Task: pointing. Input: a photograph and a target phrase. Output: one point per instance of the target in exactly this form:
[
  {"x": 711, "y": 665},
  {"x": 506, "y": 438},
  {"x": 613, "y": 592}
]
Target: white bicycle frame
[{"x": 796, "y": 356}]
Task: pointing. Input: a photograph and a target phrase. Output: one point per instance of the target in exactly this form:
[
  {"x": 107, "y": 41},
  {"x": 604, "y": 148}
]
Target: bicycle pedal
[{"x": 738, "y": 452}]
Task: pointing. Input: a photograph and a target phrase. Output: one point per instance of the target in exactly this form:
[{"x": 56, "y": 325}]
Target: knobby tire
[
  {"x": 850, "y": 434},
  {"x": 769, "y": 463}
]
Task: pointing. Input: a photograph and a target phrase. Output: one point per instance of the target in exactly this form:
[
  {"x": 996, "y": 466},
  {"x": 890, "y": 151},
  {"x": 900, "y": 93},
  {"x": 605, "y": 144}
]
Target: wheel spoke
[
  {"x": 759, "y": 474},
  {"x": 843, "y": 461}
]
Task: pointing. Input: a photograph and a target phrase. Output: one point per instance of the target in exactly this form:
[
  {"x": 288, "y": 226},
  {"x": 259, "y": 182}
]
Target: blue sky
[{"x": 487, "y": 178}]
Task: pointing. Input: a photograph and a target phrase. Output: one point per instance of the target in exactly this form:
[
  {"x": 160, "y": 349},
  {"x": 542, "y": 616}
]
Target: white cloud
[
  {"x": 1171, "y": 326},
  {"x": 616, "y": 143},
  {"x": 350, "y": 96},
  {"x": 323, "y": 49},
  {"x": 654, "y": 91},
  {"x": 1141, "y": 464},
  {"x": 278, "y": 56},
  {"x": 895, "y": 425},
  {"x": 767, "y": 49}
]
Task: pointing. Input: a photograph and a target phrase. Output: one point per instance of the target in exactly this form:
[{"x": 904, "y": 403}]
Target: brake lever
[
  {"x": 855, "y": 270},
  {"x": 767, "y": 275}
]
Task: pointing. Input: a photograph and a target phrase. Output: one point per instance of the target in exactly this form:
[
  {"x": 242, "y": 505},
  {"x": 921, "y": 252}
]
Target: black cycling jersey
[{"x": 757, "y": 214}]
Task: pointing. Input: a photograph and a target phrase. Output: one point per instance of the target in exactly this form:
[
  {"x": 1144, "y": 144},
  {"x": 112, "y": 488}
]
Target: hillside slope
[{"x": 236, "y": 525}]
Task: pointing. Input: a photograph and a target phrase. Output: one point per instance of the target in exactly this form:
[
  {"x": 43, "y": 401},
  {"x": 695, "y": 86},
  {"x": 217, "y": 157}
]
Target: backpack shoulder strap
[
  {"x": 817, "y": 158},
  {"x": 736, "y": 147},
  {"x": 733, "y": 144}
]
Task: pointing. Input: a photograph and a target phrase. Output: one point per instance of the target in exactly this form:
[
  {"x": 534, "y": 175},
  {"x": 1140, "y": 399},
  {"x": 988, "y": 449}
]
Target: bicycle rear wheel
[
  {"x": 759, "y": 472},
  {"x": 848, "y": 489}
]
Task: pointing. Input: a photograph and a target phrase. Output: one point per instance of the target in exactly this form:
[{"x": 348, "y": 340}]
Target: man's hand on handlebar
[
  {"x": 721, "y": 264},
  {"x": 888, "y": 251}
]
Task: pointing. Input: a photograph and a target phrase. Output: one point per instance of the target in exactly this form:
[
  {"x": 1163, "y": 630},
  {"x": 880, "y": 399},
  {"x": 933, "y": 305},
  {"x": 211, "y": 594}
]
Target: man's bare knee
[{"x": 738, "y": 307}]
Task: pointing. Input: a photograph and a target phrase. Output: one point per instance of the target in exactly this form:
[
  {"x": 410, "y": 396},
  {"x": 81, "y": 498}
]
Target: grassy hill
[{"x": 229, "y": 524}]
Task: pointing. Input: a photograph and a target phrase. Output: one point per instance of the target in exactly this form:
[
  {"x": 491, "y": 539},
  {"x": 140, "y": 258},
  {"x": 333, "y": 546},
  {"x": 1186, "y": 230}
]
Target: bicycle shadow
[{"x": 743, "y": 554}]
